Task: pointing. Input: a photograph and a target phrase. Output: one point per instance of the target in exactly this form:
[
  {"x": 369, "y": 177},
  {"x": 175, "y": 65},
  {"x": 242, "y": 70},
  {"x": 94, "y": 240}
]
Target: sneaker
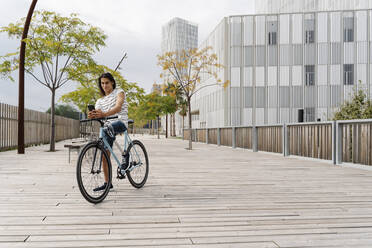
[{"x": 102, "y": 187}]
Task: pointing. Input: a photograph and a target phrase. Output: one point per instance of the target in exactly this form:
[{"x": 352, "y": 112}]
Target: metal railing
[{"x": 339, "y": 141}]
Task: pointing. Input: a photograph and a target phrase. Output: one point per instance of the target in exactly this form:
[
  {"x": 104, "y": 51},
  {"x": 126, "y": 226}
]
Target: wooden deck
[{"x": 210, "y": 197}]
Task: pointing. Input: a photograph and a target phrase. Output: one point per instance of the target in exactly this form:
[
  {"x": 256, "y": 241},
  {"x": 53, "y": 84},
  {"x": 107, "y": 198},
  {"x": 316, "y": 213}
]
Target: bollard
[
  {"x": 233, "y": 138},
  {"x": 254, "y": 139}
]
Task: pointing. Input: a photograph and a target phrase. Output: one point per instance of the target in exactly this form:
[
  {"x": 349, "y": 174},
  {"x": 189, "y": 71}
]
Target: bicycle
[{"x": 134, "y": 165}]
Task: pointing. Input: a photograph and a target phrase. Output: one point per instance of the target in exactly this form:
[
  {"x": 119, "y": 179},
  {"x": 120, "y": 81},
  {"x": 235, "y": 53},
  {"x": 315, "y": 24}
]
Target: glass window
[
  {"x": 309, "y": 36},
  {"x": 348, "y": 29},
  {"x": 272, "y": 29},
  {"x": 349, "y": 74},
  {"x": 310, "y": 114},
  {"x": 309, "y": 27},
  {"x": 272, "y": 38},
  {"x": 309, "y": 74}
]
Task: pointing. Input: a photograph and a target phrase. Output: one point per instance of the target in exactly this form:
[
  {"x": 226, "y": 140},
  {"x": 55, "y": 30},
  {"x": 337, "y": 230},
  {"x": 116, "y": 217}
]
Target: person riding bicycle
[{"x": 112, "y": 103}]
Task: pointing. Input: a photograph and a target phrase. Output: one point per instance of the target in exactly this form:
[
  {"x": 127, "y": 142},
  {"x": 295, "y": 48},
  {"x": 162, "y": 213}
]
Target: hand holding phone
[{"x": 91, "y": 107}]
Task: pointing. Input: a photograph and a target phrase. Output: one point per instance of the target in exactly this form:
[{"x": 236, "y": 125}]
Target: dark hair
[{"x": 109, "y": 76}]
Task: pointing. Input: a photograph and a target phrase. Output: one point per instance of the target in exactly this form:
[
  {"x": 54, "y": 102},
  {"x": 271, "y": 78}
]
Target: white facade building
[
  {"x": 177, "y": 35},
  {"x": 296, "y": 56},
  {"x": 292, "y": 6}
]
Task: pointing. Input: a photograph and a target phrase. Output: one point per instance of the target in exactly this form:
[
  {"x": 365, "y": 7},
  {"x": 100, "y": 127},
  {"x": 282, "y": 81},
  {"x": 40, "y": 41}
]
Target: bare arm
[{"x": 119, "y": 102}]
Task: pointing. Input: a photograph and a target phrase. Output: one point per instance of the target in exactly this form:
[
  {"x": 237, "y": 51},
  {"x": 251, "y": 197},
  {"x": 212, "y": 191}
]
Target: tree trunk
[
  {"x": 170, "y": 124},
  {"x": 166, "y": 126},
  {"x": 157, "y": 127},
  {"x": 190, "y": 127},
  {"x": 152, "y": 127},
  {"x": 174, "y": 125},
  {"x": 183, "y": 122},
  {"x": 52, "y": 122}
]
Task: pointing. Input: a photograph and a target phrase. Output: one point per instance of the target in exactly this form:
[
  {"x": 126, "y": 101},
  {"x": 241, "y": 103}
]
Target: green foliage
[
  {"x": 66, "y": 111},
  {"x": 169, "y": 104},
  {"x": 150, "y": 107},
  {"x": 359, "y": 107},
  {"x": 88, "y": 93},
  {"x": 175, "y": 91},
  {"x": 56, "y": 44}
]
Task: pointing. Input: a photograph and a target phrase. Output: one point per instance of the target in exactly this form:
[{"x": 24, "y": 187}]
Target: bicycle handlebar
[{"x": 100, "y": 120}]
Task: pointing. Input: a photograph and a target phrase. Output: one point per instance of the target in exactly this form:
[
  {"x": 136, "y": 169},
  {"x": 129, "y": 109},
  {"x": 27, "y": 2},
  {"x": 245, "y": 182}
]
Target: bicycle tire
[
  {"x": 133, "y": 155},
  {"x": 86, "y": 154}
]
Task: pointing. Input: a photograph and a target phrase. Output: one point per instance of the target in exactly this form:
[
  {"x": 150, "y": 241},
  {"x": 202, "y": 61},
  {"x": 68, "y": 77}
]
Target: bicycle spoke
[
  {"x": 90, "y": 173},
  {"x": 138, "y": 171}
]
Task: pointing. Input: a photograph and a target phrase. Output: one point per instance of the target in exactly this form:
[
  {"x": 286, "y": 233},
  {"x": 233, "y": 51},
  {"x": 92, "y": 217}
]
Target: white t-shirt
[{"x": 108, "y": 102}]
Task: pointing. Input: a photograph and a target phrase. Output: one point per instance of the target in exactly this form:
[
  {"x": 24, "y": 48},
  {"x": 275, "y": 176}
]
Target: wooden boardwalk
[{"x": 209, "y": 197}]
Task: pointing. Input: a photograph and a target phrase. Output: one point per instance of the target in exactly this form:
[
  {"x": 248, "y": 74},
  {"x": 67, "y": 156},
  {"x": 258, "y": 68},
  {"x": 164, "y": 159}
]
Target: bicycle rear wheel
[
  {"x": 138, "y": 164},
  {"x": 89, "y": 172}
]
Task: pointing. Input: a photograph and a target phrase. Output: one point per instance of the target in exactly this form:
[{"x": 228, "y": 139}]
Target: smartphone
[{"x": 90, "y": 107}]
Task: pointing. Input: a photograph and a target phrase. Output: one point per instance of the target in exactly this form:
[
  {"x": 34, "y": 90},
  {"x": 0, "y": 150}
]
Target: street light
[{"x": 21, "y": 90}]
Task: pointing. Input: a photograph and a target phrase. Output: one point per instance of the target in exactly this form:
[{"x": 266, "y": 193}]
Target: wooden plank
[
  {"x": 207, "y": 197},
  {"x": 36, "y": 127}
]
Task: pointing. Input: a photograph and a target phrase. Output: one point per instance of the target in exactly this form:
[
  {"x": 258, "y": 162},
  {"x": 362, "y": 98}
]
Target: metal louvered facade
[{"x": 280, "y": 63}]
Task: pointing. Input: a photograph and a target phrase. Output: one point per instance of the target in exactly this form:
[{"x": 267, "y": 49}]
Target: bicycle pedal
[{"x": 119, "y": 174}]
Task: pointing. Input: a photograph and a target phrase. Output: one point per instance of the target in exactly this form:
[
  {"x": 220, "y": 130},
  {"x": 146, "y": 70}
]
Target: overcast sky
[{"x": 133, "y": 27}]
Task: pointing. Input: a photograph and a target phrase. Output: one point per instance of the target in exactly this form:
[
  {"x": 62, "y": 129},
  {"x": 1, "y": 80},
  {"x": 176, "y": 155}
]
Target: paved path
[{"x": 210, "y": 197}]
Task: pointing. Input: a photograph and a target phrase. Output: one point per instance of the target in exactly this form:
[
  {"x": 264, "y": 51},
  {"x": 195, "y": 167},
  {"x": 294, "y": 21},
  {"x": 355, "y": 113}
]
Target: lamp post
[{"x": 21, "y": 90}]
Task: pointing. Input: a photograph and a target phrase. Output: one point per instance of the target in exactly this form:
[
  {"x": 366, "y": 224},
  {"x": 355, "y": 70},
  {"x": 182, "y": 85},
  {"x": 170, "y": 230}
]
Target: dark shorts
[{"x": 112, "y": 129}]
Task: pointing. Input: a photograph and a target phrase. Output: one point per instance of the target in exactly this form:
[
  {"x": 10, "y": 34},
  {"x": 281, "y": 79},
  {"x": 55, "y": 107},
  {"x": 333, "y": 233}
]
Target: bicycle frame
[{"x": 127, "y": 141}]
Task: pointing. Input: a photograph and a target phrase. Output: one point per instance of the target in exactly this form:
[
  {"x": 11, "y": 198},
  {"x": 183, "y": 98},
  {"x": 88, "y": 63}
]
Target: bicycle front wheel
[
  {"x": 138, "y": 164},
  {"x": 90, "y": 175}
]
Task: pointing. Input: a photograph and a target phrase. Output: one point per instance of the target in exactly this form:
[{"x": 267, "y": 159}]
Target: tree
[
  {"x": 169, "y": 107},
  {"x": 359, "y": 107},
  {"x": 175, "y": 96},
  {"x": 183, "y": 112},
  {"x": 65, "y": 111},
  {"x": 186, "y": 69},
  {"x": 88, "y": 93},
  {"x": 151, "y": 107},
  {"x": 175, "y": 90},
  {"x": 57, "y": 46}
]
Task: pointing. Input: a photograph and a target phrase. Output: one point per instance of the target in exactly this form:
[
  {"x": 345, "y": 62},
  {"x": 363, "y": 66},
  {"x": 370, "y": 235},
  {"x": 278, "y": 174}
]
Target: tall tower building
[{"x": 177, "y": 35}]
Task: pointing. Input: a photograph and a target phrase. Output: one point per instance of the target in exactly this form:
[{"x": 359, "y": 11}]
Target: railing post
[
  {"x": 206, "y": 136},
  {"x": 233, "y": 138},
  {"x": 338, "y": 143},
  {"x": 285, "y": 140},
  {"x": 254, "y": 139},
  {"x": 218, "y": 136},
  {"x": 334, "y": 140}
]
